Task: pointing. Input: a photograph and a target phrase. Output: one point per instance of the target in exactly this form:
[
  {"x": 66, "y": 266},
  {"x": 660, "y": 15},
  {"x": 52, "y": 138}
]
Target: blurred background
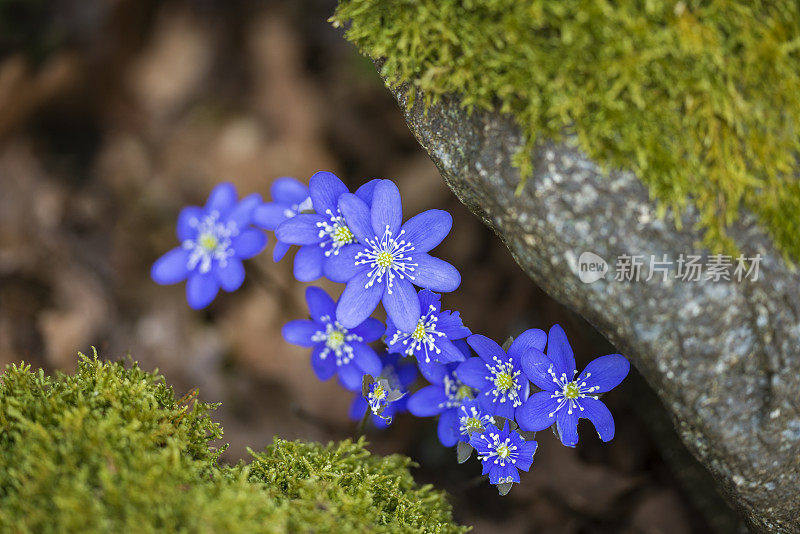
[{"x": 115, "y": 114}]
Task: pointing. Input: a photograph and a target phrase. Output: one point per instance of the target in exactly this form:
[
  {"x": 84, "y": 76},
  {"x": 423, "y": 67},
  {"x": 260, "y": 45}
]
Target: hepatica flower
[
  {"x": 336, "y": 349},
  {"x": 214, "y": 241},
  {"x": 399, "y": 374},
  {"x": 503, "y": 453},
  {"x": 432, "y": 338},
  {"x": 322, "y": 234},
  {"x": 497, "y": 374},
  {"x": 290, "y": 197},
  {"x": 389, "y": 258},
  {"x": 566, "y": 397},
  {"x": 444, "y": 398}
]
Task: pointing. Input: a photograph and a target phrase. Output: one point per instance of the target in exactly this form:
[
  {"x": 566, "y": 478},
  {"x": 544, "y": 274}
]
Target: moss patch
[
  {"x": 699, "y": 99},
  {"x": 111, "y": 449}
]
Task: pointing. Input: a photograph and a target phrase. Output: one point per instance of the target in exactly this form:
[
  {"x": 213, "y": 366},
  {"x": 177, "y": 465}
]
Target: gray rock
[{"x": 723, "y": 356}]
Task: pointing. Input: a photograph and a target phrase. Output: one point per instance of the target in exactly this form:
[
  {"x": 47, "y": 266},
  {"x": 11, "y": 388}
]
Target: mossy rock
[
  {"x": 698, "y": 99},
  {"x": 111, "y": 449}
]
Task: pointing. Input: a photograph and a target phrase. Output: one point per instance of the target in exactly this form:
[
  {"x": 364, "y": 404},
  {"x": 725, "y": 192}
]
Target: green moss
[
  {"x": 699, "y": 98},
  {"x": 111, "y": 449}
]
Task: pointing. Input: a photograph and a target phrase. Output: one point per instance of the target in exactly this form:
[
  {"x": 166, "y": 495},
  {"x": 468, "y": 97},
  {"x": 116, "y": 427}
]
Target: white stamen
[
  {"x": 337, "y": 339},
  {"x": 212, "y": 242},
  {"x": 387, "y": 256}
]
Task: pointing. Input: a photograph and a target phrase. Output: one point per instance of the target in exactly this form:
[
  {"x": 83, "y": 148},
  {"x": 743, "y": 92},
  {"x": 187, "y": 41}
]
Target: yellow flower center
[
  {"x": 473, "y": 424},
  {"x": 379, "y": 393},
  {"x": 343, "y": 236},
  {"x": 503, "y": 381},
  {"x": 384, "y": 259},
  {"x": 464, "y": 392},
  {"x": 571, "y": 391},
  {"x": 419, "y": 331},
  {"x": 503, "y": 451},
  {"x": 335, "y": 340},
  {"x": 208, "y": 241}
]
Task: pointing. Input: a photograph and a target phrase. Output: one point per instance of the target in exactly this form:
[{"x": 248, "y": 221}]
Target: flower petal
[
  {"x": 357, "y": 216},
  {"x": 319, "y": 303},
  {"x": 447, "y": 428},
  {"x": 171, "y": 268},
  {"x": 427, "y": 402},
  {"x": 434, "y": 372},
  {"x": 366, "y": 191},
  {"x": 280, "y": 250},
  {"x": 201, "y": 290},
  {"x": 249, "y": 243},
  {"x": 529, "y": 339},
  {"x": 269, "y": 215},
  {"x": 605, "y": 372},
  {"x": 325, "y": 189},
  {"x": 222, "y": 198},
  {"x": 358, "y": 407},
  {"x": 495, "y": 407},
  {"x": 427, "y": 229},
  {"x": 358, "y": 301},
  {"x": 324, "y": 368},
  {"x": 242, "y": 213},
  {"x": 567, "y": 426},
  {"x": 535, "y": 365},
  {"x": 300, "y": 230},
  {"x": 534, "y": 414},
  {"x": 387, "y": 209},
  {"x": 287, "y": 190},
  {"x": 450, "y": 353},
  {"x": 342, "y": 267},
  {"x": 402, "y": 304},
  {"x": 350, "y": 376},
  {"x": 300, "y": 332},
  {"x": 525, "y": 452},
  {"x": 370, "y": 330},
  {"x": 435, "y": 274},
  {"x": 486, "y": 348},
  {"x": 365, "y": 358},
  {"x": 187, "y": 222},
  {"x": 597, "y": 412},
  {"x": 450, "y": 324},
  {"x": 231, "y": 276},
  {"x": 308, "y": 263},
  {"x": 473, "y": 373},
  {"x": 560, "y": 352}
]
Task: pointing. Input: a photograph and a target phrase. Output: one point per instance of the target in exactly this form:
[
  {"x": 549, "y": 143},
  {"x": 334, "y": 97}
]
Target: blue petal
[
  {"x": 324, "y": 368},
  {"x": 428, "y": 298},
  {"x": 370, "y": 330},
  {"x": 406, "y": 374},
  {"x": 450, "y": 352},
  {"x": 402, "y": 304},
  {"x": 529, "y": 339},
  {"x": 269, "y": 215},
  {"x": 358, "y": 408},
  {"x": 365, "y": 358},
  {"x": 287, "y": 190},
  {"x": 308, "y": 263},
  {"x": 201, "y": 290},
  {"x": 325, "y": 189},
  {"x": 567, "y": 426},
  {"x": 560, "y": 352},
  {"x": 342, "y": 267},
  {"x": 358, "y": 301},
  {"x": 357, "y": 216},
  {"x": 435, "y": 274},
  {"x": 495, "y": 407},
  {"x": 366, "y": 191},
  {"x": 534, "y": 414},
  {"x": 319, "y": 303},
  {"x": 242, "y": 213},
  {"x": 222, "y": 198},
  {"x": 300, "y": 230},
  {"x": 434, "y": 372},
  {"x": 500, "y": 472},
  {"x": 598, "y": 413},
  {"x": 473, "y": 373},
  {"x": 387, "y": 208},
  {"x": 447, "y": 429},
  {"x": 280, "y": 250},
  {"x": 525, "y": 452},
  {"x": 486, "y": 348},
  {"x": 450, "y": 325},
  {"x": 231, "y": 276},
  {"x": 535, "y": 364},
  {"x": 606, "y": 372},
  {"x": 350, "y": 376},
  {"x": 427, "y": 402},
  {"x": 187, "y": 222},
  {"x": 249, "y": 243},
  {"x": 171, "y": 268},
  {"x": 299, "y": 332},
  {"x": 427, "y": 229}
]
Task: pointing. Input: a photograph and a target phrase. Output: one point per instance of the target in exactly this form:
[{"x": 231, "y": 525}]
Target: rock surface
[{"x": 724, "y": 356}]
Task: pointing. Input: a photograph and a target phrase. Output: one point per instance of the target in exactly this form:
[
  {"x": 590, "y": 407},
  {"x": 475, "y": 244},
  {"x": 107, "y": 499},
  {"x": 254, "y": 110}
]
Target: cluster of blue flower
[{"x": 483, "y": 402}]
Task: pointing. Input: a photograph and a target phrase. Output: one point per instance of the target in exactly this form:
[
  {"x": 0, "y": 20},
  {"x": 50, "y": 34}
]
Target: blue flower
[
  {"x": 214, "y": 241},
  {"x": 289, "y": 198},
  {"x": 400, "y": 374},
  {"x": 321, "y": 235},
  {"x": 565, "y": 398},
  {"x": 503, "y": 453},
  {"x": 337, "y": 350},
  {"x": 471, "y": 418},
  {"x": 389, "y": 259},
  {"x": 497, "y": 374},
  {"x": 432, "y": 338},
  {"x": 444, "y": 398}
]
